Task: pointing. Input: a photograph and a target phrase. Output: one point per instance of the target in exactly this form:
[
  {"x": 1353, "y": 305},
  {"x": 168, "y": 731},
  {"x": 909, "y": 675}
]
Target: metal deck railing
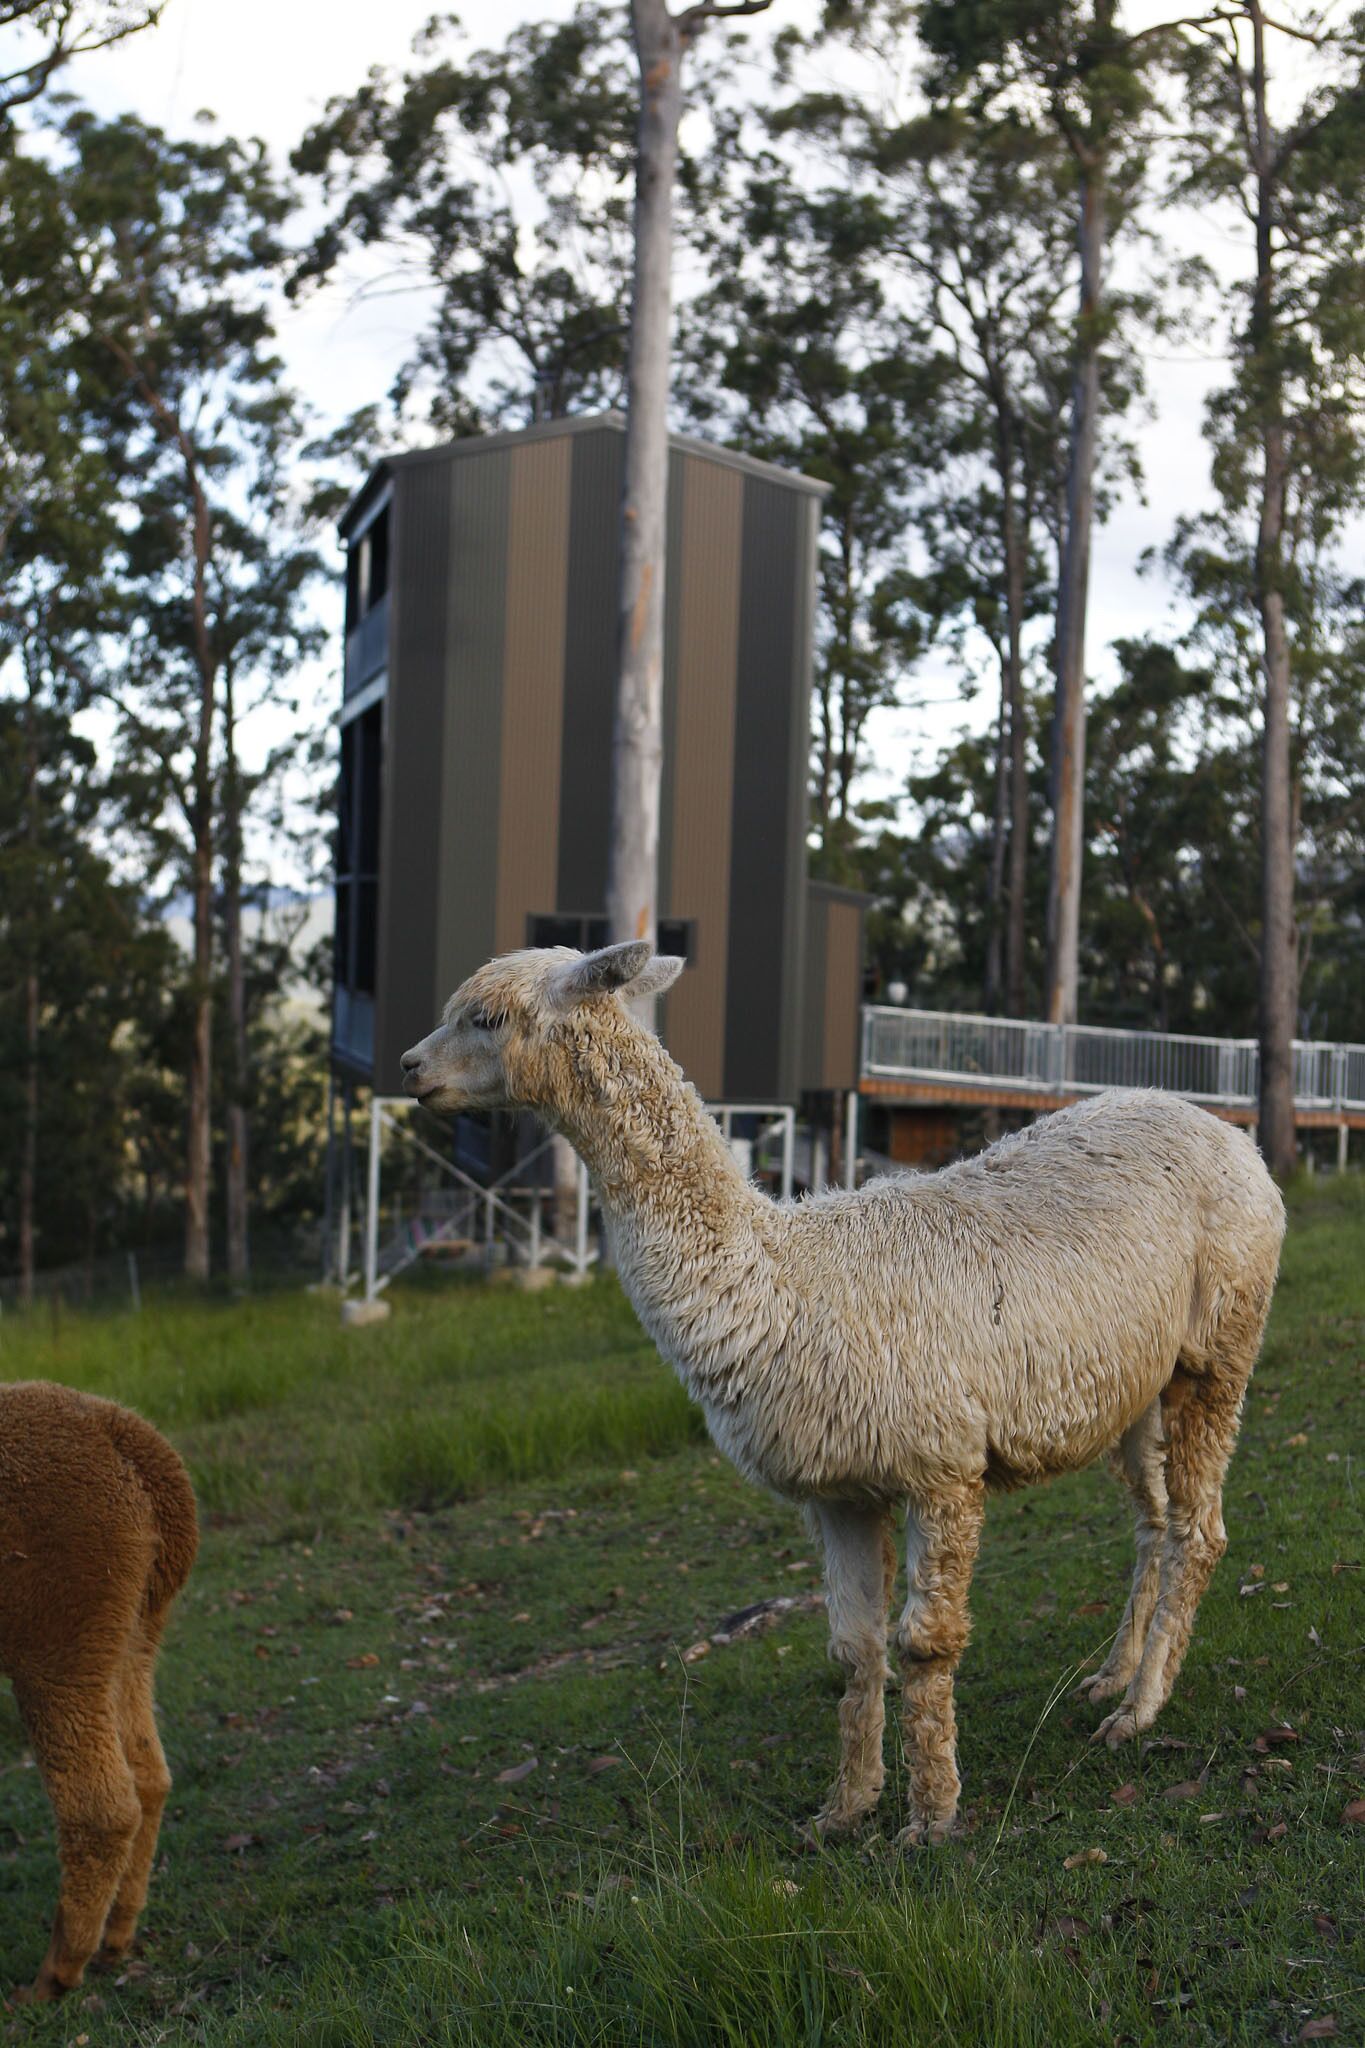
[{"x": 1080, "y": 1059}]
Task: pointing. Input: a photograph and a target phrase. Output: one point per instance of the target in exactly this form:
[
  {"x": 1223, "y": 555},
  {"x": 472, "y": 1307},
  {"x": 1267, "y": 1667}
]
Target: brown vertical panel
[
  {"x": 843, "y": 987},
  {"x": 703, "y": 747},
  {"x": 532, "y": 686}
]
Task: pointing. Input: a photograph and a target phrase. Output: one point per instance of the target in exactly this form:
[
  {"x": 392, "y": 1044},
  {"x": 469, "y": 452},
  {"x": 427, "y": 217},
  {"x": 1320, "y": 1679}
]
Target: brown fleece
[{"x": 97, "y": 1535}]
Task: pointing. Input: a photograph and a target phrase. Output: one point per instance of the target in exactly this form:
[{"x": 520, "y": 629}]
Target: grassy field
[{"x": 446, "y": 1772}]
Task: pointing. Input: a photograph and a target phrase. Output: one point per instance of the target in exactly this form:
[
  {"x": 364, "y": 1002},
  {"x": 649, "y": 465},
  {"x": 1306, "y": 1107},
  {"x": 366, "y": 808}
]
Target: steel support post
[{"x": 372, "y": 1199}]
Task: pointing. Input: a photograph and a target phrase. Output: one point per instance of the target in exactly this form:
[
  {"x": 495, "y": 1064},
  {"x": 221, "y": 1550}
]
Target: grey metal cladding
[
  {"x": 475, "y": 596},
  {"x": 767, "y": 872},
  {"x": 414, "y": 720},
  {"x": 589, "y": 672}
]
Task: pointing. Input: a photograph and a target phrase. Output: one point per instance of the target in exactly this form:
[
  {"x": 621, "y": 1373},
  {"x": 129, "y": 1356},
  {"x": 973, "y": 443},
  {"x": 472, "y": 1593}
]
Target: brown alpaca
[{"x": 97, "y": 1535}]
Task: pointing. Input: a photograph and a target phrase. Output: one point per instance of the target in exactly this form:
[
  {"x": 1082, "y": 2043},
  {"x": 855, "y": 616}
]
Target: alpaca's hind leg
[
  {"x": 943, "y": 1537},
  {"x": 1141, "y": 1463},
  {"x": 146, "y": 1760},
  {"x": 76, "y": 1742},
  {"x": 1201, "y": 1417},
  {"x": 860, "y": 1567}
]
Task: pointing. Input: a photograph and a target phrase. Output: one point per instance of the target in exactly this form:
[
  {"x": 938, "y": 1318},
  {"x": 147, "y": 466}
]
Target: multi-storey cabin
[{"x": 476, "y": 750}]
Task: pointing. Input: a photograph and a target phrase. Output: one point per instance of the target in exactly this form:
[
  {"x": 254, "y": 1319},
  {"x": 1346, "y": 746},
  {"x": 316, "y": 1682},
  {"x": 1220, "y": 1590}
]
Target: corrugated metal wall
[{"x": 500, "y": 708}]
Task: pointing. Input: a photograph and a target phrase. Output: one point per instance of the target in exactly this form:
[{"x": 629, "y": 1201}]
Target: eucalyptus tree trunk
[
  {"x": 995, "y": 873},
  {"x": 1014, "y": 534},
  {"x": 661, "y": 41},
  {"x": 28, "y": 1146},
  {"x": 1068, "y": 732},
  {"x": 238, "y": 1254},
  {"x": 637, "y": 742},
  {"x": 1279, "y": 963}
]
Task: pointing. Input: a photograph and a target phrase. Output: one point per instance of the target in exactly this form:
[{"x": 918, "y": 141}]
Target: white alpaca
[{"x": 1097, "y": 1283}]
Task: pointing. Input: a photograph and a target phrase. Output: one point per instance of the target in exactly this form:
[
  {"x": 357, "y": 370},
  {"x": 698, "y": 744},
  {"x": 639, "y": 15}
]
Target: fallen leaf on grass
[
  {"x": 236, "y": 1844},
  {"x": 365, "y": 1663},
  {"x": 697, "y": 1652},
  {"x": 1071, "y": 1926},
  {"x": 602, "y": 1763},
  {"x": 1188, "y": 1788},
  {"x": 1091, "y": 1607},
  {"x": 514, "y": 1773},
  {"x": 1324, "y": 2029},
  {"x": 1354, "y": 1810},
  {"x": 1082, "y": 1856},
  {"x": 1292, "y": 1443},
  {"x": 1280, "y": 1735},
  {"x": 1125, "y": 1795}
]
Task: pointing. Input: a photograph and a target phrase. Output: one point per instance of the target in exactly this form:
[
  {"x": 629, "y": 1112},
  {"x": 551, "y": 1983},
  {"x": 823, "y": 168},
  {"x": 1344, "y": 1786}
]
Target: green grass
[{"x": 481, "y": 1535}]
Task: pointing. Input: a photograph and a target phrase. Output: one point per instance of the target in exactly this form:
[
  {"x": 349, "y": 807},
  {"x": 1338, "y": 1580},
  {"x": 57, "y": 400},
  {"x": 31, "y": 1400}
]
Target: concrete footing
[{"x": 356, "y": 1315}]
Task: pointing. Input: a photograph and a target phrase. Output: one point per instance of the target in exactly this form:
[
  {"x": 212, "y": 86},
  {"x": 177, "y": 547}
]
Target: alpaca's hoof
[
  {"x": 925, "y": 1834},
  {"x": 42, "y": 1991},
  {"x": 834, "y": 1824},
  {"x": 1102, "y": 1685},
  {"x": 1120, "y": 1726}
]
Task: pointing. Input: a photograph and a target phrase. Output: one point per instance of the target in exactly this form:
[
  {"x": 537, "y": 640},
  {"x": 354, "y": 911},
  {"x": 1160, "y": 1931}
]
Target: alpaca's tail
[{"x": 168, "y": 1489}]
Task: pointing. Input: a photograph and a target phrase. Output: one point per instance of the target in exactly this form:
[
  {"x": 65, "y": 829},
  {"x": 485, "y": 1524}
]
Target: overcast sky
[{"x": 267, "y": 67}]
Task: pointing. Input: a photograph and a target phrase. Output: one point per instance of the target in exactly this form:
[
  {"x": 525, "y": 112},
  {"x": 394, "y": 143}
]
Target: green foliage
[{"x": 525, "y": 322}]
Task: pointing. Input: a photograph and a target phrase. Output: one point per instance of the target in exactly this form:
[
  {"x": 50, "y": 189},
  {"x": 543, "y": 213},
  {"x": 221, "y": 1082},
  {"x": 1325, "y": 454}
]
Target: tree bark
[
  {"x": 198, "y": 1148},
  {"x": 637, "y": 741},
  {"x": 238, "y": 1248},
  {"x": 28, "y": 1148},
  {"x": 1068, "y": 732},
  {"x": 1279, "y": 964},
  {"x": 198, "y": 1143},
  {"x": 661, "y": 41},
  {"x": 1015, "y": 538},
  {"x": 995, "y": 874}
]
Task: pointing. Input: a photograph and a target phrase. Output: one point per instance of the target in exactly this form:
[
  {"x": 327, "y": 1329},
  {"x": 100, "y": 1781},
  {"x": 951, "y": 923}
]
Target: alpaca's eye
[{"x": 479, "y": 1020}]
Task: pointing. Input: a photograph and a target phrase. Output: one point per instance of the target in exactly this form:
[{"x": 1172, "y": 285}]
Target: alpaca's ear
[
  {"x": 660, "y": 973},
  {"x": 598, "y": 974}
]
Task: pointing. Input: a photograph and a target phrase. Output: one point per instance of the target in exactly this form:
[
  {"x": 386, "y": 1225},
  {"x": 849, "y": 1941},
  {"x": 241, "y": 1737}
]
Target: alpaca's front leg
[
  {"x": 860, "y": 1570},
  {"x": 943, "y": 1535}
]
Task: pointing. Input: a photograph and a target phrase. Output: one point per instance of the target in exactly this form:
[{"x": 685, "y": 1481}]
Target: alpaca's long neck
[{"x": 692, "y": 1238}]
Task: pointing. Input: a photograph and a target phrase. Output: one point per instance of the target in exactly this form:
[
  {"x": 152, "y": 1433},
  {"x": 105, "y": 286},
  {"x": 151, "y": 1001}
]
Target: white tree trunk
[
  {"x": 637, "y": 743},
  {"x": 1068, "y": 732}
]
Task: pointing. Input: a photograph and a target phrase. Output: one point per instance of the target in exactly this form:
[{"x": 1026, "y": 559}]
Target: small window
[{"x": 367, "y": 569}]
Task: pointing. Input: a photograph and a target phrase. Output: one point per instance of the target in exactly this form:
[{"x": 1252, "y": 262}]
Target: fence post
[
  {"x": 372, "y": 1200},
  {"x": 133, "y": 1287},
  {"x": 534, "y": 1259},
  {"x": 788, "y": 1151},
  {"x": 1343, "y": 1145}
]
